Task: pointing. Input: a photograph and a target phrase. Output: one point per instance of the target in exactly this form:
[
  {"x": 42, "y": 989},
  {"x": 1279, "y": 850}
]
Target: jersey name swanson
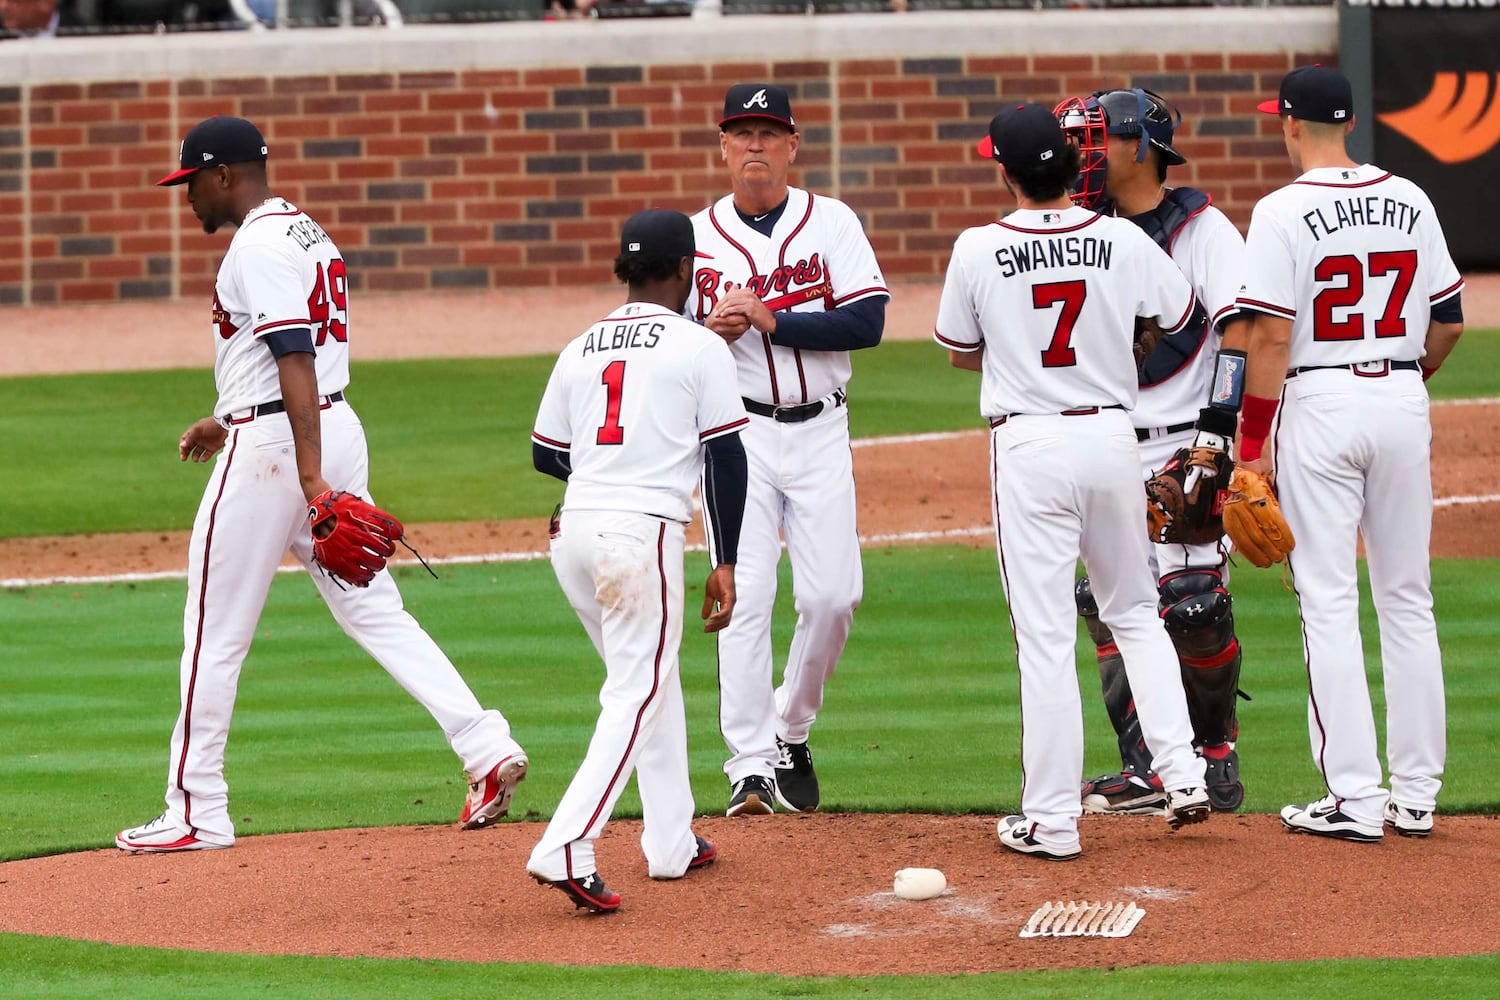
[{"x": 1058, "y": 251}]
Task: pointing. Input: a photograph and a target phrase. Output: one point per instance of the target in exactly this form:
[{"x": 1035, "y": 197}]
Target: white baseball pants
[
  {"x": 1065, "y": 487},
  {"x": 1353, "y": 456},
  {"x": 253, "y": 513},
  {"x": 801, "y": 485},
  {"x": 622, "y": 573}
]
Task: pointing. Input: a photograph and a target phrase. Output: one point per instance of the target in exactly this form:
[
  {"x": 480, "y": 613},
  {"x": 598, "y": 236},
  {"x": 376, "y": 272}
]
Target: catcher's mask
[{"x": 1135, "y": 113}]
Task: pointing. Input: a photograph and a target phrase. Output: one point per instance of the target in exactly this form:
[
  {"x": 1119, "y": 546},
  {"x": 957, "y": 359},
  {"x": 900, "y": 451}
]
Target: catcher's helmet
[{"x": 1136, "y": 113}]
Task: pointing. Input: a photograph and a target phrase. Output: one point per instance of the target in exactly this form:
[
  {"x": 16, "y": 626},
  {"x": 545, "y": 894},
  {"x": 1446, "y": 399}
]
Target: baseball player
[
  {"x": 1357, "y": 303},
  {"x": 1125, "y": 141},
  {"x": 790, "y": 282},
  {"x": 634, "y": 408},
  {"x": 1044, "y": 304},
  {"x": 283, "y": 433}
]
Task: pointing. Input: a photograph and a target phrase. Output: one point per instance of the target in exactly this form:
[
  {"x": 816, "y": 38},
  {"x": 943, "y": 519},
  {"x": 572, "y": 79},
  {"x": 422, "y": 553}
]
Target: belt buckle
[
  {"x": 1372, "y": 369},
  {"x": 781, "y": 414}
]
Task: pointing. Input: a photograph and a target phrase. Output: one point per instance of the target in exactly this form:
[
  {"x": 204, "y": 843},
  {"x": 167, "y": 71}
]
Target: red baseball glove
[{"x": 352, "y": 538}]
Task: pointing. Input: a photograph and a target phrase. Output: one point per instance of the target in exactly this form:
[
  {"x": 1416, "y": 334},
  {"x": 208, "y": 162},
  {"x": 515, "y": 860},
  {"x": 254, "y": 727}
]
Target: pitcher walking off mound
[
  {"x": 283, "y": 433},
  {"x": 1044, "y": 304}
]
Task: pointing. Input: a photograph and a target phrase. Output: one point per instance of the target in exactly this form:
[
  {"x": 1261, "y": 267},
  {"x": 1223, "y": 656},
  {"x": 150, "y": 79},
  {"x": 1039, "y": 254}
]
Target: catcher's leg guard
[
  {"x": 1116, "y": 792},
  {"x": 1196, "y": 610}
]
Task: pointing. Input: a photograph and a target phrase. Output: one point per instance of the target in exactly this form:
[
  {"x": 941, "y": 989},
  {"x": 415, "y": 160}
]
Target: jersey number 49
[{"x": 328, "y": 305}]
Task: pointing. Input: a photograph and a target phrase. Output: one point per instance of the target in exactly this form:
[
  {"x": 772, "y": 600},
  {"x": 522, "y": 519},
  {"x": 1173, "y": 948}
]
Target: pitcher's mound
[{"x": 808, "y": 895}]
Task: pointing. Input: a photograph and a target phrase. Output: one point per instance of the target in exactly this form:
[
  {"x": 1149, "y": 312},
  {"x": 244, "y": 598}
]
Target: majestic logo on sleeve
[
  {"x": 783, "y": 288},
  {"x": 757, "y": 100},
  {"x": 1458, "y": 120}
]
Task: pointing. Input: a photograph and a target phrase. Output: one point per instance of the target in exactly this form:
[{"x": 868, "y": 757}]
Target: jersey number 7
[{"x": 1059, "y": 353}]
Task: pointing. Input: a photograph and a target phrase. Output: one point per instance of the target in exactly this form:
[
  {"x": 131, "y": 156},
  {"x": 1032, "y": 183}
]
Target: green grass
[
  {"x": 48, "y": 967},
  {"x": 922, "y": 715},
  {"x": 448, "y": 438}
]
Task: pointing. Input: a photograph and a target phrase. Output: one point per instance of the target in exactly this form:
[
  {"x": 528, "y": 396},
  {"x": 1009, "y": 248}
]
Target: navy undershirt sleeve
[
  {"x": 725, "y": 475},
  {"x": 848, "y": 328},
  {"x": 1450, "y": 310},
  {"x": 295, "y": 341},
  {"x": 551, "y": 461}
]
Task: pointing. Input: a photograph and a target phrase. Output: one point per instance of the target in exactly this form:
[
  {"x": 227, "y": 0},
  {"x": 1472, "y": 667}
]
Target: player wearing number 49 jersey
[
  {"x": 283, "y": 434},
  {"x": 1043, "y": 303},
  {"x": 1357, "y": 303}
]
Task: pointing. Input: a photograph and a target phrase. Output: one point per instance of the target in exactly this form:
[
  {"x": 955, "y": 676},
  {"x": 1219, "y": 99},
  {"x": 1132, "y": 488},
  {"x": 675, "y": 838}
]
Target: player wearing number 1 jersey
[
  {"x": 283, "y": 434},
  {"x": 1043, "y": 303},
  {"x": 1357, "y": 303}
]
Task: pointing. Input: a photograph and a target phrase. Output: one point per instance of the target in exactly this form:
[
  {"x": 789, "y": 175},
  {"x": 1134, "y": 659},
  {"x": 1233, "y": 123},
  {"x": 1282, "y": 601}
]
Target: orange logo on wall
[{"x": 1458, "y": 120}]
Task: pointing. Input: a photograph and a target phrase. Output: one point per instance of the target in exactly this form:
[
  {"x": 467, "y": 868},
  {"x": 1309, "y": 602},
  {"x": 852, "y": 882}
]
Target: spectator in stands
[{"x": 30, "y": 18}]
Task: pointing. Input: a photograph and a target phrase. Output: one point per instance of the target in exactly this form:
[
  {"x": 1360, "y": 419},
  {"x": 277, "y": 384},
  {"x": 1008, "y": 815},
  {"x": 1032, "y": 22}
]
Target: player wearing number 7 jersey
[
  {"x": 1043, "y": 303},
  {"x": 1357, "y": 303},
  {"x": 283, "y": 434}
]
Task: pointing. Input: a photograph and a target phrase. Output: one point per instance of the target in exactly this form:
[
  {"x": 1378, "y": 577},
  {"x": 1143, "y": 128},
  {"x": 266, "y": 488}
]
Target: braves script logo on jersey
[
  {"x": 782, "y": 288},
  {"x": 221, "y": 319}
]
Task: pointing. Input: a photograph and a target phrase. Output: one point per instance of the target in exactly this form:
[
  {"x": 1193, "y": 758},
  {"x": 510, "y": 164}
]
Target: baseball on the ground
[{"x": 920, "y": 883}]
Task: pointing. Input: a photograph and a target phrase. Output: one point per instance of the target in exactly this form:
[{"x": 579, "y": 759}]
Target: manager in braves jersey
[
  {"x": 789, "y": 280},
  {"x": 1357, "y": 303},
  {"x": 1044, "y": 303},
  {"x": 283, "y": 433},
  {"x": 634, "y": 408},
  {"x": 1125, "y": 141}
]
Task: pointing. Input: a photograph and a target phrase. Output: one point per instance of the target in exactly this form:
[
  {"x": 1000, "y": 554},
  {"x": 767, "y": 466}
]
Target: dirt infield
[{"x": 804, "y": 895}]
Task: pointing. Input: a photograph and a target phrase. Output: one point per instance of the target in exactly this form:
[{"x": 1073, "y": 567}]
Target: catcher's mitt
[
  {"x": 352, "y": 538},
  {"x": 1147, "y": 336},
  {"x": 1252, "y": 518},
  {"x": 1185, "y": 500}
]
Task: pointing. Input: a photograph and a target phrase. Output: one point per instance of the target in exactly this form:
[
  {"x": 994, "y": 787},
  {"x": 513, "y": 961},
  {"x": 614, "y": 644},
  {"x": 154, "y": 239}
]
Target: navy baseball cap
[
  {"x": 216, "y": 140},
  {"x": 1314, "y": 94},
  {"x": 658, "y": 232},
  {"x": 758, "y": 100},
  {"x": 1023, "y": 136}
]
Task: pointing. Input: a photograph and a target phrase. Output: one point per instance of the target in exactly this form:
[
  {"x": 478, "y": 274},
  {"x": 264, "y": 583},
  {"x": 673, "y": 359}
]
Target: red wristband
[
  {"x": 1255, "y": 424},
  {"x": 1427, "y": 373}
]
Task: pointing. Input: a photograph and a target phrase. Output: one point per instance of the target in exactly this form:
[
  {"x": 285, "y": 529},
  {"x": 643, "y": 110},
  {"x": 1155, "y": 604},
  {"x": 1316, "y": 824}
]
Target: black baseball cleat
[
  {"x": 706, "y": 854},
  {"x": 752, "y": 796},
  {"x": 796, "y": 781},
  {"x": 587, "y": 893}
]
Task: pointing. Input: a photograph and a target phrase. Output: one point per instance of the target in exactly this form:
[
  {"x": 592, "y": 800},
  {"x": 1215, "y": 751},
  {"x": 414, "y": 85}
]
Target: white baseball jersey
[
  {"x": 1364, "y": 247},
  {"x": 610, "y": 388},
  {"x": 1047, "y": 294},
  {"x": 1211, "y": 254},
  {"x": 817, "y": 258},
  {"x": 282, "y": 272}
]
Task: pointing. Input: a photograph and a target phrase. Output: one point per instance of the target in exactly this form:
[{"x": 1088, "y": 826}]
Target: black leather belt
[
  {"x": 1144, "y": 433},
  {"x": 1390, "y": 366},
  {"x": 796, "y": 414},
  {"x": 277, "y": 406},
  {"x": 1082, "y": 411}
]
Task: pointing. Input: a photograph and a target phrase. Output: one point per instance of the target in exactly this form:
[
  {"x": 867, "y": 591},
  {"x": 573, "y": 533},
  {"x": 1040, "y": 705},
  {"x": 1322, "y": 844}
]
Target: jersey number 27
[{"x": 1401, "y": 263}]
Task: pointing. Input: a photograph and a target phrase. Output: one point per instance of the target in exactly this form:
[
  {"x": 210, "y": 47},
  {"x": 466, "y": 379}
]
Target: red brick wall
[{"x": 521, "y": 177}]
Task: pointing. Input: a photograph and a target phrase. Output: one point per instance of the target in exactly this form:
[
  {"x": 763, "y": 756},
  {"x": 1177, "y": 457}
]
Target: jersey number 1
[
  {"x": 328, "y": 305},
  {"x": 1059, "y": 353},
  {"x": 610, "y": 432}
]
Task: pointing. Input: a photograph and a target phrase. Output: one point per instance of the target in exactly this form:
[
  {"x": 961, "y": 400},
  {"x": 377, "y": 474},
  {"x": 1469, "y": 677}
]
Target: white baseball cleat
[
  {"x": 1324, "y": 818},
  {"x": 1408, "y": 822},
  {"x": 489, "y": 796},
  {"x": 164, "y": 835},
  {"x": 1187, "y": 805},
  {"x": 1017, "y": 833}
]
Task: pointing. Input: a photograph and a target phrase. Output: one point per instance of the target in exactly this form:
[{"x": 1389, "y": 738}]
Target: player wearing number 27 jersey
[
  {"x": 1357, "y": 302},
  {"x": 1044, "y": 303},
  {"x": 283, "y": 433}
]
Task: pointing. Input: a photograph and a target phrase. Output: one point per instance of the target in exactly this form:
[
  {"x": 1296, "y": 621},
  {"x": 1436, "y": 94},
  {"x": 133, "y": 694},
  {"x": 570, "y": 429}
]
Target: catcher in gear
[{"x": 1190, "y": 385}]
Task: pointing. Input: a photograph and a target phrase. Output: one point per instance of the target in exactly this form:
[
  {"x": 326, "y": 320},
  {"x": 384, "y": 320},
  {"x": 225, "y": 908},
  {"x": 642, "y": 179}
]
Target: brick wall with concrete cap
[{"x": 505, "y": 155}]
